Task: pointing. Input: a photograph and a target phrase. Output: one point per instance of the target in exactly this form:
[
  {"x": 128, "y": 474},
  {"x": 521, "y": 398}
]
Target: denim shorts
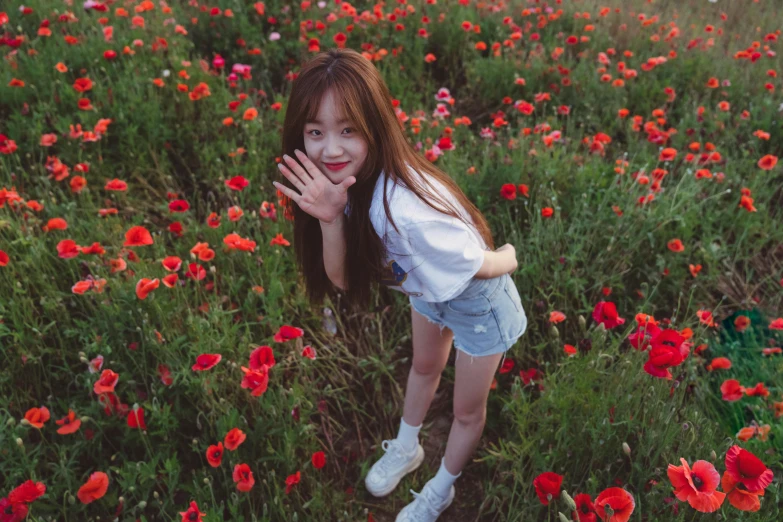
[{"x": 487, "y": 318}]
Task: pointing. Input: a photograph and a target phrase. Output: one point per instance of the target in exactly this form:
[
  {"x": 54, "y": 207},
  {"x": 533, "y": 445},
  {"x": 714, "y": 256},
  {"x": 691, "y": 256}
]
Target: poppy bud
[
  {"x": 565, "y": 497},
  {"x": 582, "y": 323},
  {"x": 84, "y": 418},
  {"x": 713, "y": 456},
  {"x": 562, "y": 517},
  {"x": 142, "y": 504},
  {"x": 626, "y": 449},
  {"x": 206, "y": 481},
  {"x": 71, "y": 500},
  {"x": 554, "y": 332},
  {"x": 601, "y": 327},
  {"x": 20, "y": 442},
  {"x": 24, "y": 422},
  {"x": 155, "y": 494},
  {"x": 11, "y": 421}
]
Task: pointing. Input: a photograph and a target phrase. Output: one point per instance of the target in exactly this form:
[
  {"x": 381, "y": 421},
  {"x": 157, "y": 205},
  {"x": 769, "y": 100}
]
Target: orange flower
[
  {"x": 667, "y": 154},
  {"x": 745, "y": 434},
  {"x": 234, "y": 438},
  {"x": 145, "y": 286},
  {"x": 137, "y": 236},
  {"x": 675, "y": 245},
  {"x": 768, "y": 162},
  {"x": 106, "y": 382},
  {"x": 37, "y": 416},
  {"x": 94, "y": 488},
  {"x": 556, "y": 317},
  {"x": 69, "y": 423},
  {"x": 719, "y": 363}
]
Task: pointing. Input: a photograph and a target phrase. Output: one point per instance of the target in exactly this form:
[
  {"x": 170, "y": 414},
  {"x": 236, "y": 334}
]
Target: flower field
[{"x": 161, "y": 361}]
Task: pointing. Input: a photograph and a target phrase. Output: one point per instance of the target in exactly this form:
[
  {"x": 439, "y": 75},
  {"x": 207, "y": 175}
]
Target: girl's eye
[{"x": 315, "y": 130}]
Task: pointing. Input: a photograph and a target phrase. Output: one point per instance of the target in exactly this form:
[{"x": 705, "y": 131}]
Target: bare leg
[
  {"x": 471, "y": 389},
  {"x": 431, "y": 348}
]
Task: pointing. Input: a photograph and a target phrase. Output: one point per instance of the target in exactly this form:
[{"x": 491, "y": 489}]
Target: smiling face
[{"x": 330, "y": 140}]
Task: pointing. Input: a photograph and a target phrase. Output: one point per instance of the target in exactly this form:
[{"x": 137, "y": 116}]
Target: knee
[
  {"x": 470, "y": 416},
  {"x": 429, "y": 369}
]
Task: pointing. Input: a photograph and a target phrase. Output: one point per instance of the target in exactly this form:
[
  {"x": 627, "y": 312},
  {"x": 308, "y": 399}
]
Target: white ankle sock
[
  {"x": 408, "y": 435},
  {"x": 443, "y": 480}
]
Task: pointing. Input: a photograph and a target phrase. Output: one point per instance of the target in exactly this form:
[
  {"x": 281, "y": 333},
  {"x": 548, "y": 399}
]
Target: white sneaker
[
  {"x": 427, "y": 507},
  {"x": 395, "y": 464}
]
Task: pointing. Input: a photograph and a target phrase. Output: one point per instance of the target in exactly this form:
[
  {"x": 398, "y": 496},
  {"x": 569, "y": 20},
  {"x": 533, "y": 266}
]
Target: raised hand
[{"x": 319, "y": 197}]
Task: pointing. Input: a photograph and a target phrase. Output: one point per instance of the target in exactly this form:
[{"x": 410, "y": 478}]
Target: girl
[{"x": 357, "y": 185}]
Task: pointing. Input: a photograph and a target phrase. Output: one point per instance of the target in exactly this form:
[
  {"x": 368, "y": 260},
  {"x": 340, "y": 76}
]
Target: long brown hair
[{"x": 364, "y": 97}]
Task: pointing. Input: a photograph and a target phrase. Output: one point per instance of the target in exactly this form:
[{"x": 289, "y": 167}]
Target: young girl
[{"x": 368, "y": 208}]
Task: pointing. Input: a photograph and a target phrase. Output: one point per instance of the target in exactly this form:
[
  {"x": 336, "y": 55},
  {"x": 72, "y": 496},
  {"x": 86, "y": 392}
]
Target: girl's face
[{"x": 331, "y": 141}]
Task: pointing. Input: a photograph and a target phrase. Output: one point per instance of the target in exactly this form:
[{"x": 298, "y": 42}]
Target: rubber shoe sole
[{"x": 413, "y": 465}]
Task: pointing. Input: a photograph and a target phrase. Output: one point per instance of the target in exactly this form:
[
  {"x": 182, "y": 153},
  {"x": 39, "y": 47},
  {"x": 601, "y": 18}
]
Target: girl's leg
[
  {"x": 471, "y": 388},
  {"x": 431, "y": 348}
]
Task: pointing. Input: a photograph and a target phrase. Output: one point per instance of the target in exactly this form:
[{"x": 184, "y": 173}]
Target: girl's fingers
[
  {"x": 310, "y": 167},
  {"x": 290, "y": 176},
  {"x": 297, "y": 169},
  {"x": 287, "y": 191}
]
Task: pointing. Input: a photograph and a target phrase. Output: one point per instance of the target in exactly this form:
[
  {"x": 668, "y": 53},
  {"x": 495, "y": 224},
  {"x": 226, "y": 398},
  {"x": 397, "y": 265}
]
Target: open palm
[{"x": 319, "y": 197}]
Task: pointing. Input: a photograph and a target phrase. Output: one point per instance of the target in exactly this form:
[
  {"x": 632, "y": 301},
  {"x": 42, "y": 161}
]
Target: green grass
[{"x": 350, "y": 398}]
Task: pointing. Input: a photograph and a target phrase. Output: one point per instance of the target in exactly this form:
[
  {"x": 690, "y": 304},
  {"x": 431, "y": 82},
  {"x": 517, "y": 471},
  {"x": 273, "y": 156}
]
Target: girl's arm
[
  {"x": 334, "y": 250},
  {"x": 497, "y": 263}
]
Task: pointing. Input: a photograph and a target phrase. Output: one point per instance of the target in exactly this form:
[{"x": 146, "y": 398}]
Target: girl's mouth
[{"x": 336, "y": 166}]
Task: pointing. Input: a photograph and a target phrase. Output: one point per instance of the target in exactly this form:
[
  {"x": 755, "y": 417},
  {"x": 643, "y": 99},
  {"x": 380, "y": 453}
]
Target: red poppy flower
[
  {"x": 585, "y": 510},
  {"x": 667, "y": 351},
  {"x": 4, "y": 258},
  {"x": 547, "y": 212},
  {"x": 675, "y": 245},
  {"x": 69, "y": 423},
  {"x": 94, "y": 488},
  {"x": 171, "y": 263},
  {"x": 13, "y": 511},
  {"x": 291, "y": 481},
  {"x": 26, "y": 493},
  {"x": 55, "y": 224},
  {"x": 507, "y": 366},
  {"x": 759, "y": 390},
  {"x": 116, "y": 184},
  {"x": 237, "y": 183},
  {"x": 697, "y": 486},
  {"x": 768, "y": 162},
  {"x": 234, "y": 438},
  {"x": 619, "y": 500},
  {"x": 243, "y": 477},
  {"x": 309, "y": 352},
  {"x": 137, "y": 236},
  {"x": 262, "y": 356},
  {"x": 215, "y": 454},
  {"x": 319, "y": 459},
  {"x": 196, "y": 272},
  {"x": 178, "y": 205},
  {"x": 547, "y": 486},
  {"x": 719, "y": 363},
  {"x": 135, "y": 418},
  {"x": 748, "y": 469},
  {"x": 206, "y": 361},
  {"x": 170, "y": 281},
  {"x": 286, "y": 333},
  {"x": 667, "y": 154},
  {"x": 37, "y": 416},
  {"x": 165, "y": 374},
  {"x": 739, "y": 496},
  {"x": 106, "y": 382},
  {"x": 606, "y": 312},
  {"x": 67, "y": 248},
  {"x": 255, "y": 380},
  {"x": 556, "y": 317},
  {"x": 145, "y": 286},
  {"x": 731, "y": 390},
  {"x": 192, "y": 514}
]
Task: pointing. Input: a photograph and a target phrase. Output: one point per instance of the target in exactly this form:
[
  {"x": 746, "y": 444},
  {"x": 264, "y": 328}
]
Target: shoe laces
[
  {"x": 395, "y": 452},
  {"x": 426, "y": 501}
]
